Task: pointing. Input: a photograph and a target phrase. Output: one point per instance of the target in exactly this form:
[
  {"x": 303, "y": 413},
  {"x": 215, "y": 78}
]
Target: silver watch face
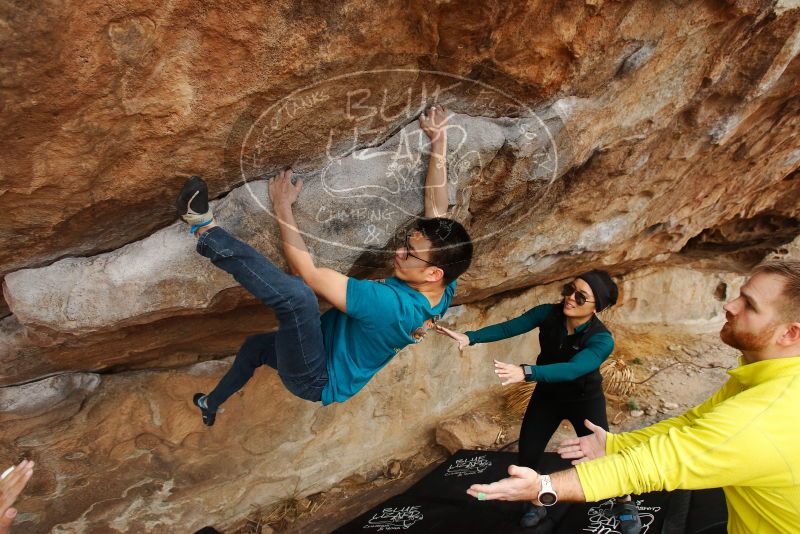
[{"x": 547, "y": 498}]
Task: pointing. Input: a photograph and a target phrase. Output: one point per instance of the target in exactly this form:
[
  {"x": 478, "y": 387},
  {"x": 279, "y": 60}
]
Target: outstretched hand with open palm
[
  {"x": 586, "y": 447},
  {"x": 11, "y": 485},
  {"x": 461, "y": 339}
]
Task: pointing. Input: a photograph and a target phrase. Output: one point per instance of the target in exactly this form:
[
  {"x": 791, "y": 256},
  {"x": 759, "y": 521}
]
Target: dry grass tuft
[
  {"x": 281, "y": 514},
  {"x": 517, "y": 398},
  {"x": 617, "y": 379}
]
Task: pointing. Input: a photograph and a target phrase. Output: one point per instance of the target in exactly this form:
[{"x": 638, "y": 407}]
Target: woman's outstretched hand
[
  {"x": 462, "y": 339},
  {"x": 509, "y": 373}
]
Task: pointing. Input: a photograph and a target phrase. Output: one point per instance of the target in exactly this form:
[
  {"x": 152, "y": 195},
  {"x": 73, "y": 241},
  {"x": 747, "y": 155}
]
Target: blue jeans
[{"x": 296, "y": 350}]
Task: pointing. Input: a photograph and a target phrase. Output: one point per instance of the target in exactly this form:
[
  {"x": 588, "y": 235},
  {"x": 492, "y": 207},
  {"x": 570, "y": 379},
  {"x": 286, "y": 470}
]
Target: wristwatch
[
  {"x": 547, "y": 495},
  {"x": 527, "y": 370}
]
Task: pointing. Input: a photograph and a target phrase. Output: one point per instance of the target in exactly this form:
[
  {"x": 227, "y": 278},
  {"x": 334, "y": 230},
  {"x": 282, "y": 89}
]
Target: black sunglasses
[
  {"x": 580, "y": 298},
  {"x": 407, "y": 251}
]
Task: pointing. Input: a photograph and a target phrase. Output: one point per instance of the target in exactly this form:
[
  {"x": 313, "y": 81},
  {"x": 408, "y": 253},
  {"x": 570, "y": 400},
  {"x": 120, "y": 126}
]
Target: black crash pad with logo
[{"x": 439, "y": 503}]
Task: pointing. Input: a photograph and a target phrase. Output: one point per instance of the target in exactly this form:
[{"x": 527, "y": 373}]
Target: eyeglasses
[
  {"x": 580, "y": 297},
  {"x": 407, "y": 250}
]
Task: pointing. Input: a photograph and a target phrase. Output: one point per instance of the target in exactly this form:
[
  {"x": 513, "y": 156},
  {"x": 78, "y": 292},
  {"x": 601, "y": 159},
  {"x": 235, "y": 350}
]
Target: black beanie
[{"x": 604, "y": 289}]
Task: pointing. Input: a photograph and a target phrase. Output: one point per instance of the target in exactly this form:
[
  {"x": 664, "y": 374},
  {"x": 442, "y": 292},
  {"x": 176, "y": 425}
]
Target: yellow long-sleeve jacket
[{"x": 744, "y": 439}]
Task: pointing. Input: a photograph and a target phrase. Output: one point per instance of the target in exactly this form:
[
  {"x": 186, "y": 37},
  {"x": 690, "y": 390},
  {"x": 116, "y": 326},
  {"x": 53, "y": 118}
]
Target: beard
[{"x": 746, "y": 341}]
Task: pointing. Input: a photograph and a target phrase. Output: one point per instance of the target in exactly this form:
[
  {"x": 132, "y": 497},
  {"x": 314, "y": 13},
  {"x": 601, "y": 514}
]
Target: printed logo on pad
[
  {"x": 401, "y": 518},
  {"x": 468, "y": 467}
]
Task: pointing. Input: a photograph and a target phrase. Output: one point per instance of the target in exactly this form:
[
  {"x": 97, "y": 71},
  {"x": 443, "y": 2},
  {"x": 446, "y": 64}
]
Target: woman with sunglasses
[{"x": 574, "y": 343}]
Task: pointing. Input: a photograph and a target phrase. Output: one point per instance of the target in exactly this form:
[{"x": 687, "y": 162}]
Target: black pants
[{"x": 546, "y": 411}]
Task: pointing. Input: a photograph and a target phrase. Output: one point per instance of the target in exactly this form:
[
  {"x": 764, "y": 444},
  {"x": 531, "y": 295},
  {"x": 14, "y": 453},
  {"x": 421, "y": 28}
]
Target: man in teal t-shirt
[
  {"x": 381, "y": 319},
  {"x": 331, "y": 358}
]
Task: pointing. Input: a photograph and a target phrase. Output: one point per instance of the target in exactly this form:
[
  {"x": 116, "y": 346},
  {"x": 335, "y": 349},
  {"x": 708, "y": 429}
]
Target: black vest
[{"x": 559, "y": 347}]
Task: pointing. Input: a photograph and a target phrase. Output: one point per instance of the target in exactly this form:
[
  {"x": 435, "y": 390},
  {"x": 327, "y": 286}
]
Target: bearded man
[{"x": 741, "y": 439}]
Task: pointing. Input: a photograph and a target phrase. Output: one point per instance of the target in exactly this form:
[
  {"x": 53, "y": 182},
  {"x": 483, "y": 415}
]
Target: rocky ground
[{"x": 674, "y": 371}]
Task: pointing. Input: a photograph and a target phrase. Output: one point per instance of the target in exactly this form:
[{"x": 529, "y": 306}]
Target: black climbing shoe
[
  {"x": 628, "y": 516},
  {"x": 208, "y": 415},
  {"x": 192, "y": 203},
  {"x": 532, "y": 516}
]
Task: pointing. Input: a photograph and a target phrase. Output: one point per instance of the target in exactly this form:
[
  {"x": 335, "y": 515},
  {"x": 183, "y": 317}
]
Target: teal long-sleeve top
[{"x": 597, "y": 349}]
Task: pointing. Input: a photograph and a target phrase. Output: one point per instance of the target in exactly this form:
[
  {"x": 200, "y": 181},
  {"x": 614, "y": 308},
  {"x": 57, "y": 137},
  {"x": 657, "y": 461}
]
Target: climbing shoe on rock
[
  {"x": 192, "y": 203},
  {"x": 199, "y": 400}
]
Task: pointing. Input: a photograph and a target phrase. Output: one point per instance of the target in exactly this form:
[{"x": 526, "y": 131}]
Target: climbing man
[
  {"x": 741, "y": 439},
  {"x": 330, "y": 358}
]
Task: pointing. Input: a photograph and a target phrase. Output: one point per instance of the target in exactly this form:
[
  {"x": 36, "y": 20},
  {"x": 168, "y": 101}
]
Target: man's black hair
[{"x": 452, "y": 246}]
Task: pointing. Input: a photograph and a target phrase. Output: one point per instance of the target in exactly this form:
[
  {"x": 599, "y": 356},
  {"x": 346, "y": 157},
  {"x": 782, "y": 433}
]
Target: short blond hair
[{"x": 789, "y": 270}]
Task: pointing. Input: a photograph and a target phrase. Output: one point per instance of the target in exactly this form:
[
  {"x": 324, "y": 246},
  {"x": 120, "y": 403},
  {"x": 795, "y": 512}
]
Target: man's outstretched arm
[
  {"x": 717, "y": 450},
  {"x": 523, "y": 485},
  {"x": 434, "y": 124},
  {"x": 326, "y": 283}
]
